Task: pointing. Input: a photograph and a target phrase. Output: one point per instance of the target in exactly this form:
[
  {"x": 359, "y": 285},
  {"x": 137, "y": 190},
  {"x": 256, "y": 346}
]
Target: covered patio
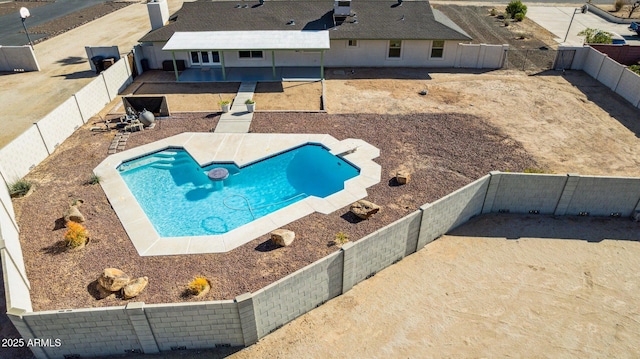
[
  {"x": 256, "y": 74},
  {"x": 264, "y": 42}
]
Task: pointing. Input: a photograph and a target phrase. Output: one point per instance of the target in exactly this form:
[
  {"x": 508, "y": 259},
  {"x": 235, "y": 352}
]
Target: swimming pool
[{"x": 181, "y": 200}]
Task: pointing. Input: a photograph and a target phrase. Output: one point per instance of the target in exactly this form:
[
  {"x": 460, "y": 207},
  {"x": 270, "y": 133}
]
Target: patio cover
[{"x": 248, "y": 40}]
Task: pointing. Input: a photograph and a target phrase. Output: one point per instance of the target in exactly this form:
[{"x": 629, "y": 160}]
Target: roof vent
[
  {"x": 261, "y": 2},
  {"x": 238, "y": 6},
  {"x": 291, "y": 22},
  {"x": 399, "y": 2},
  {"x": 245, "y": 6}
]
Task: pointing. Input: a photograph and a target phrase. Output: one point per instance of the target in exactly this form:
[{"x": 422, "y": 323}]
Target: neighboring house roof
[{"x": 376, "y": 19}]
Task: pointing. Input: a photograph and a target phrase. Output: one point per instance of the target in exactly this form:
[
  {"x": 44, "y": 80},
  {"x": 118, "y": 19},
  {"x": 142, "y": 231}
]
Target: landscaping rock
[
  {"x": 73, "y": 213},
  {"x": 364, "y": 209},
  {"x": 102, "y": 293},
  {"x": 403, "y": 177},
  {"x": 113, "y": 279},
  {"x": 134, "y": 287},
  {"x": 282, "y": 237}
]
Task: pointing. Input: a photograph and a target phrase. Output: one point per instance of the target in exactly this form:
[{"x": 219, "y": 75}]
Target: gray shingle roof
[{"x": 376, "y": 19}]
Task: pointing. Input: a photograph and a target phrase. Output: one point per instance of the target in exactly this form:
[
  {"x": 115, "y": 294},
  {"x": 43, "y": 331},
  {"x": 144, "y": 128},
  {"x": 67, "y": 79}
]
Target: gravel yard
[{"x": 443, "y": 152}]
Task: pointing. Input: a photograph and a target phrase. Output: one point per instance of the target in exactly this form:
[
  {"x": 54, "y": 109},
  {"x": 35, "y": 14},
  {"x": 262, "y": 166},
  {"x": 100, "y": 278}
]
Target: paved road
[{"x": 11, "y": 25}]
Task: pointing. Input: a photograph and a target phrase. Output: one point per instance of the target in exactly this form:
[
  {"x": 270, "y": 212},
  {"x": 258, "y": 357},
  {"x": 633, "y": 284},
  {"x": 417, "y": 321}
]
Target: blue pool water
[{"x": 180, "y": 200}]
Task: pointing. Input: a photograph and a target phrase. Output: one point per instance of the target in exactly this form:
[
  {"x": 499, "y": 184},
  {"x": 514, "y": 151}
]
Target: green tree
[
  {"x": 516, "y": 7},
  {"x": 595, "y": 36}
]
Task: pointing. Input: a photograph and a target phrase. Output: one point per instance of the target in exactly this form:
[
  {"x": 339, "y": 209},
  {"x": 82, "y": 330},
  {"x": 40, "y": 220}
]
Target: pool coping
[{"x": 242, "y": 149}]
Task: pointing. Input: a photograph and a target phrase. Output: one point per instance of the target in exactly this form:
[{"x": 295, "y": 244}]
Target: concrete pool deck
[{"x": 242, "y": 149}]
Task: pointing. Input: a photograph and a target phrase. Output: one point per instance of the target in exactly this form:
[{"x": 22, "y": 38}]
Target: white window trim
[
  {"x": 200, "y": 63},
  {"x": 441, "y": 58},
  {"x": 389, "y": 47}
]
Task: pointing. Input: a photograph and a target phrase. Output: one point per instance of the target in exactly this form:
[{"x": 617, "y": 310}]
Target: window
[
  {"x": 250, "y": 54},
  {"x": 344, "y": 3},
  {"x": 437, "y": 49},
  {"x": 205, "y": 57},
  {"x": 395, "y": 49},
  {"x": 352, "y": 43}
]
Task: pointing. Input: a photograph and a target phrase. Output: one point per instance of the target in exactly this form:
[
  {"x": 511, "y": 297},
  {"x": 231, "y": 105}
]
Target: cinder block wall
[
  {"x": 602, "y": 196},
  {"x": 195, "y": 325},
  {"x": 34, "y": 145},
  {"x": 18, "y": 58},
  {"x": 452, "y": 210},
  {"x": 298, "y": 293},
  {"x": 386, "y": 246},
  {"x": 251, "y": 316},
  {"x": 521, "y": 193},
  {"x": 83, "y": 332}
]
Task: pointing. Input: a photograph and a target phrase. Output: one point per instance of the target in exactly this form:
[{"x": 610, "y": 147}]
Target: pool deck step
[{"x": 238, "y": 119}]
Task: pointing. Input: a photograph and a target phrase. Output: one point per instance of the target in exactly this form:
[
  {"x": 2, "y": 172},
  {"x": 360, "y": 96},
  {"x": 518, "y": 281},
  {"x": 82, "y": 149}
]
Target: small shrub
[
  {"x": 94, "y": 179},
  {"x": 198, "y": 285},
  {"x": 506, "y": 21},
  {"x": 635, "y": 68},
  {"x": 224, "y": 102},
  {"x": 341, "y": 238},
  {"x": 516, "y": 7},
  {"x": 494, "y": 12},
  {"x": 618, "y": 4},
  {"x": 76, "y": 235},
  {"x": 20, "y": 188},
  {"x": 519, "y": 16},
  {"x": 595, "y": 36},
  {"x": 249, "y": 101}
]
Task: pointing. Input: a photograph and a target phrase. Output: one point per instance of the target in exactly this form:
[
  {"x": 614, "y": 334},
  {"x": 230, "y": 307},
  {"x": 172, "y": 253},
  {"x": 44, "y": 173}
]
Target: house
[{"x": 310, "y": 34}]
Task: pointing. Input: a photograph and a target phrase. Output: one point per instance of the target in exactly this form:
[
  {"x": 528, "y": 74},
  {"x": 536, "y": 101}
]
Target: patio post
[
  {"x": 322, "y": 64},
  {"x": 175, "y": 66},
  {"x": 273, "y": 63},
  {"x": 224, "y": 72}
]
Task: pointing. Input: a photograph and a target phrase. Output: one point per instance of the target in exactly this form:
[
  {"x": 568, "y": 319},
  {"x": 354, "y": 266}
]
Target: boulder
[
  {"x": 113, "y": 279},
  {"x": 282, "y": 237},
  {"x": 102, "y": 293},
  {"x": 636, "y": 216},
  {"x": 73, "y": 213},
  {"x": 364, "y": 209},
  {"x": 134, "y": 287},
  {"x": 403, "y": 177}
]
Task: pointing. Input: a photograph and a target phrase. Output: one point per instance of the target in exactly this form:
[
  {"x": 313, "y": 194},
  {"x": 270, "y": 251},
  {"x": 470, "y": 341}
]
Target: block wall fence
[
  {"x": 34, "y": 145},
  {"x": 152, "y": 328},
  {"x": 601, "y": 67}
]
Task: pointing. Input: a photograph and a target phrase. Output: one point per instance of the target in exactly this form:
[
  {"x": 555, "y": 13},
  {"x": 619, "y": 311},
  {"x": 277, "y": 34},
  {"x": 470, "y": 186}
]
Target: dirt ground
[
  {"x": 14, "y": 6},
  {"x": 200, "y": 97},
  {"x": 289, "y": 96},
  {"x": 623, "y": 12},
  {"x": 204, "y": 97},
  {"x": 499, "y": 286},
  {"x": 570, "y": 123}
]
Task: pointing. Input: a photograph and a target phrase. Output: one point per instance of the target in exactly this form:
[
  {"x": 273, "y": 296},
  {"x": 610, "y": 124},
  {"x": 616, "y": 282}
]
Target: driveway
[
  {"x": 556, "y": 19},
  {"x": 29, "y": 96}
]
